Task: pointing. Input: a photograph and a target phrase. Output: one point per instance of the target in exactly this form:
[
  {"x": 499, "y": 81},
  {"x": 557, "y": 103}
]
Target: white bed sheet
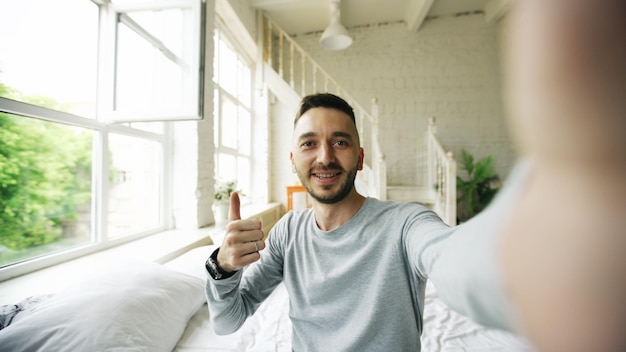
[
  {"x": 270, "y": 328},
  {"x": 447, "y": 330}
]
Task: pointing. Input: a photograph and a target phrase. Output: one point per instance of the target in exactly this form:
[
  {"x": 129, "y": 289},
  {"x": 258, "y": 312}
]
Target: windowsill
[{"x": 160, "y": 248}]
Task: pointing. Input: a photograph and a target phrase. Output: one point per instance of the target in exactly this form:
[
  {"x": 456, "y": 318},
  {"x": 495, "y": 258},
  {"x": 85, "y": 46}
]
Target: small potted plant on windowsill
[{"x": 221, "y": 197}]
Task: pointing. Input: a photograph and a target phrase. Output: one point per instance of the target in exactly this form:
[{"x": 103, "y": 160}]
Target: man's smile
[{"x": 326, "y": 177}]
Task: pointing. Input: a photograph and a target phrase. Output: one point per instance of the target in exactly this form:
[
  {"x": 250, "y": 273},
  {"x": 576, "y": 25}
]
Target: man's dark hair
[{"x": 324, "y": 100}]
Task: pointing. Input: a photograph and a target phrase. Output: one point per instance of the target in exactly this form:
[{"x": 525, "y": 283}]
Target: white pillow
[
  {"x": 139, "y": 307},
  {"x": 192, "y": 261}
]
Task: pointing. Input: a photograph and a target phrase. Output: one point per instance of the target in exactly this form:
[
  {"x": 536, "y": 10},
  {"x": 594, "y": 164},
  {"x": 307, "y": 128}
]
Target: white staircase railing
[
  {"x": 441, "y": 176},
  {"x": 290, "y": 70}
]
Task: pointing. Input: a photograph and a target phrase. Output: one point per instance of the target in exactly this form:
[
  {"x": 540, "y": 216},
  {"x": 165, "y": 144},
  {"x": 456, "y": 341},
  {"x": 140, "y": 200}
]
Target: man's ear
[
  {"x": 293, "y": 165},
  {"x": 361, "y": 158}
]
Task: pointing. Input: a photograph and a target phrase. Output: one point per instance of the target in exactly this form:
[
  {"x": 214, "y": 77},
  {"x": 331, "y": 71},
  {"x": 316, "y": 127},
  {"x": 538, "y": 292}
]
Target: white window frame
[
  {"x": 219, "y": 149},
  {"x": 99, "y": 187},
  {"x": 103, "y": 127},
  {"x": 194, "y": 79}
]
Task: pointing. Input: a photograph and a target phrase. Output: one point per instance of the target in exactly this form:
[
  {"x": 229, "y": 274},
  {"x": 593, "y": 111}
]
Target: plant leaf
[
  {"x": 484, "y": 169},
  {"x": 467, "y": 162}
]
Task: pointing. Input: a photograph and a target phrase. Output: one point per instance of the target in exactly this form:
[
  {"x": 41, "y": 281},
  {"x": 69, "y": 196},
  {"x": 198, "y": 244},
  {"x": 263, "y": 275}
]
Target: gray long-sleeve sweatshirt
[{"x": 361, "y": 286}]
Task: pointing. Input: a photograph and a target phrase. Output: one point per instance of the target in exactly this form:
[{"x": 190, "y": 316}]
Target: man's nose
[{"x": 326, "y": 154}]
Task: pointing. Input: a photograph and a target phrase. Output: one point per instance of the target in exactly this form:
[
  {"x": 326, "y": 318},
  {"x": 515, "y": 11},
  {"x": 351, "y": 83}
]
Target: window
[
  {"x": 72, "y": 182},
  {"x": 49, "y": 56},
  {"x": 233, "y": 117},
  {"x": 155, "y": 60},
  {"x": 45, "y": 187},
  {"x": 134, "y": 199}
]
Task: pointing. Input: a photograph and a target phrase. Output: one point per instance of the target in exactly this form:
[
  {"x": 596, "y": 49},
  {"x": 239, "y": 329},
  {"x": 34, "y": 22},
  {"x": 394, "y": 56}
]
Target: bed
[{"x": 154, "y": 307}]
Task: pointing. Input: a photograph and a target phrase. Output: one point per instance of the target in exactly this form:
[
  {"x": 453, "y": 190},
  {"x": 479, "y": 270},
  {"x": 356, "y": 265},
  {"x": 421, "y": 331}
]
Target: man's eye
[
  {"x": 341, "y": 143},
  {"x": 306, "y": 144}
]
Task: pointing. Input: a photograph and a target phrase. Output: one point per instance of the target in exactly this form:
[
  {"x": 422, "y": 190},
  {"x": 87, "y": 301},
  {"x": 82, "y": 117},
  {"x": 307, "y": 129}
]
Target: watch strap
[{"x": 214, "y": 269}]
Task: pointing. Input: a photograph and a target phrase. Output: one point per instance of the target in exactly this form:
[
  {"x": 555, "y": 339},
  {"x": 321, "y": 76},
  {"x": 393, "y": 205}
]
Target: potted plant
[
  {"x": 479, "y": 188},
  {"x": 221, "y": 204}
]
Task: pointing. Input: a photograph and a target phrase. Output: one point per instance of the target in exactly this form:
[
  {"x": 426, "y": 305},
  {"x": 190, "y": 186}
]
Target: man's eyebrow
[
  {"x": 342, "y": 134},
  {"x": 307, "y": 135},
  {"x": 334, "y": 134}
]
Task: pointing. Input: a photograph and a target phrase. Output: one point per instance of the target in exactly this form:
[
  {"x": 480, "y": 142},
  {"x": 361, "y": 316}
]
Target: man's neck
[{"x": 332, "y": 216}]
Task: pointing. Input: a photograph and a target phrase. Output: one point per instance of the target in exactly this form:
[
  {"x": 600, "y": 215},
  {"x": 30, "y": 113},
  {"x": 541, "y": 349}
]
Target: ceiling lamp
[{"x": 335, "y": 36}]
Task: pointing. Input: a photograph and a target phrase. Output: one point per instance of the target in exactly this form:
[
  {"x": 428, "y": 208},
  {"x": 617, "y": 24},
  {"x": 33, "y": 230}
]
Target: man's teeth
[{"x": 325, "y": 175}]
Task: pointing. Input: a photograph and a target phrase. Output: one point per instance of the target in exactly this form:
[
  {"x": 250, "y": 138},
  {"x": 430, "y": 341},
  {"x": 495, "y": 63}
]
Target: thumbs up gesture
[{"x": 243, "y": 239}]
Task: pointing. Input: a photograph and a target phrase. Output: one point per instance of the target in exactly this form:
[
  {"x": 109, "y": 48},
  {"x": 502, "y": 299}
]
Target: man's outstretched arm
[{"x": 563, "y": 251}]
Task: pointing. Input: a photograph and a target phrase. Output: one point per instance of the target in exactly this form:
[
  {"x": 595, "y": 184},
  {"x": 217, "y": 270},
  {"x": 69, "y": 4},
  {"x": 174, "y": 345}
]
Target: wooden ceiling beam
[{"x": 416, "y": 12}]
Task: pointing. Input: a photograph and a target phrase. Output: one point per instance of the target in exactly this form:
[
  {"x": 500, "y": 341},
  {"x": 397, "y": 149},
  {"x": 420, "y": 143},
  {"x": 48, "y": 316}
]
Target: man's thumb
[{"x": 235, "y": 213}]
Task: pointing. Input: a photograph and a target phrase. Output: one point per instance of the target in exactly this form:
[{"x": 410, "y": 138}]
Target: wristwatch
[{"x": 214, "y": 269}]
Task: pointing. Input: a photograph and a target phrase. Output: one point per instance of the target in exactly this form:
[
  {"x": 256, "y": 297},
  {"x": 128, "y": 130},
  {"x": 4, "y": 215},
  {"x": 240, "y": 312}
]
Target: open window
[
  {"x": 72, "y": 184},
  {"x": 153, "y": 69}
]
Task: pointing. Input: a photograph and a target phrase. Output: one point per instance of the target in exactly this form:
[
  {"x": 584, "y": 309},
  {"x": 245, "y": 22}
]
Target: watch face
[{"x": 211, "y": 267}]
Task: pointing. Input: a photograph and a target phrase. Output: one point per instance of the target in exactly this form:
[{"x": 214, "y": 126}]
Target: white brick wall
[{"x": 449, "y": 70}]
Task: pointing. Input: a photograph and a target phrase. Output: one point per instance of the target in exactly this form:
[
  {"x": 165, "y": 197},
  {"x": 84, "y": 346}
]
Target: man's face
[{"x": 326, "y": 154}]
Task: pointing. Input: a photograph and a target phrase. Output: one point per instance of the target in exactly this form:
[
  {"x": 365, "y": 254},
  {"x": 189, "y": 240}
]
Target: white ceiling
[{"x": 304, "y": 16}]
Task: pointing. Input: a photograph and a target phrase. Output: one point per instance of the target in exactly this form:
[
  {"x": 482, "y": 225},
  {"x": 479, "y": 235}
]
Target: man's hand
[
  {"x": 562, "y": 252},
  {"x": 243, "y": 239}
]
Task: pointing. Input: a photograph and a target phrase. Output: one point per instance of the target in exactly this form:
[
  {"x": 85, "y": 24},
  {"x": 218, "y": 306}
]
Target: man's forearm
[{"x": 226, "y": 308}]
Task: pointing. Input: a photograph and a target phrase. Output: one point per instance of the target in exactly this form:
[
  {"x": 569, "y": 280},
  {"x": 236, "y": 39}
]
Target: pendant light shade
[{"x": 335, "y": 36}]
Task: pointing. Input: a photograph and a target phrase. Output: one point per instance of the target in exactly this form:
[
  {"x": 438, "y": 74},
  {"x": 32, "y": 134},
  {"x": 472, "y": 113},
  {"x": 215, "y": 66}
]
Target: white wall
[
  {"x": 281, "y": 132},
  {"x": 449, "y": 69},
  {"x": 246, "y": 14}
]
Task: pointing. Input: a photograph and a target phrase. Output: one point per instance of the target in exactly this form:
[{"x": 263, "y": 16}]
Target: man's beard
[{"x": 336, "y": 197}]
